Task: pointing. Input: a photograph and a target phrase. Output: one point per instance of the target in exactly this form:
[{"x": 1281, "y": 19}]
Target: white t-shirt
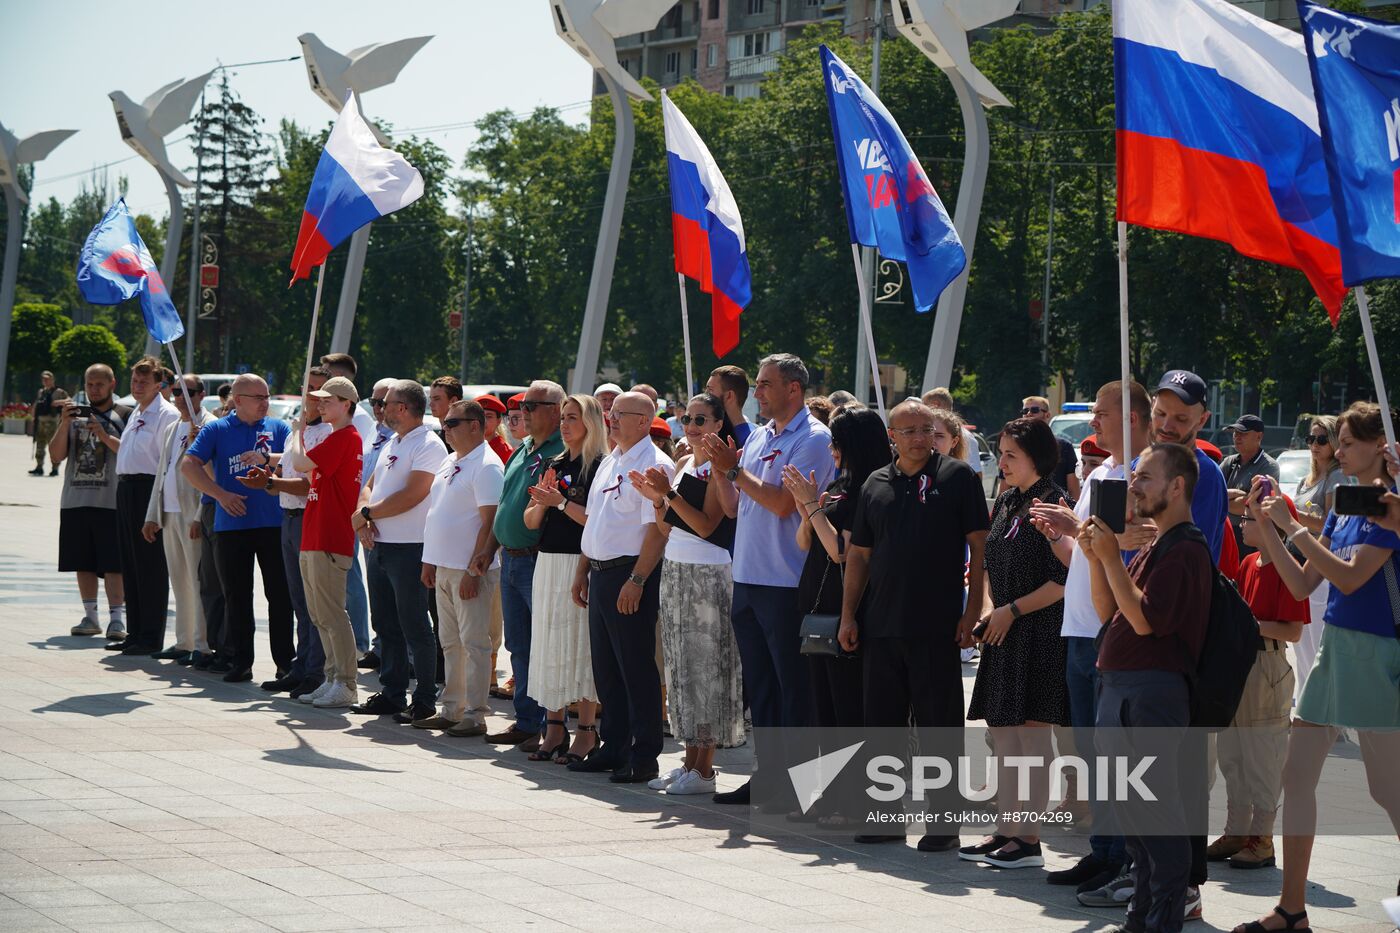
[
  {"x": 618, "y": 514},
  {"x": 419, "y": 451},
  {"x": 682, "y": 547},
  {"x": 145, "y": 429},
  {"x": 462, "y": 487},
  {"x": 974, "y": 452},
  {"x": 315, "y": 434},
  {"x": 1081, "y": 619},
  {"x": 170, "y": 489},
  {"x": 365, "y": 426}
]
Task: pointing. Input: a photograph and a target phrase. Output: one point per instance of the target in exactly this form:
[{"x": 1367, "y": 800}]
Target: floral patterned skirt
[{"x": 702, "y": 658}]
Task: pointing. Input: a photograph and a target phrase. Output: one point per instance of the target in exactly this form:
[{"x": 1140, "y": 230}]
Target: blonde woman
[
  {"x": 1313, "y": 499},
  {"x": 561, "y": 663},
  {"x": 948, "y": 434}
]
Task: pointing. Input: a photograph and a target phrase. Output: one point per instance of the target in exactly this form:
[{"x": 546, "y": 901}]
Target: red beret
[
  {"x": 491, "y": 403},
  {"x": 659, "y": 427},
  {"x": 514, "y": 401},
  {"x": 1211, "y": 450},
  {"x": 1089, "y": 447}
]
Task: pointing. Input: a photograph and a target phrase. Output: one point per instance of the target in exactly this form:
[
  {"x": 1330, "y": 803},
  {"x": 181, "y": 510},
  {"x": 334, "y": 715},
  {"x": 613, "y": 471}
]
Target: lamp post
[
  {"x": 144, "y": 127},
  {"x": 939, "y": 28},
  {"x": 331, "y": 75},
  {"x": 591, "y": 27},
  {"x": 14, "y": 153}
]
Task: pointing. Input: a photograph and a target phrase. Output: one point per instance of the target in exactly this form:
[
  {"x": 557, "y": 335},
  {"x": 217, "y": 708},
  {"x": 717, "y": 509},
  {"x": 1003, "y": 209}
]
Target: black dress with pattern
[{"x": 1023, "y": 678}]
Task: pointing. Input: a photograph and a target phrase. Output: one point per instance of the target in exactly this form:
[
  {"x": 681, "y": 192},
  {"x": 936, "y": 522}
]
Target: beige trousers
[
  {"x": 1251, "y": 752},
  {"x": 182, "y": 561},
  {"x": 323, "y": 578},
  {"x": 464, "y": 628}
]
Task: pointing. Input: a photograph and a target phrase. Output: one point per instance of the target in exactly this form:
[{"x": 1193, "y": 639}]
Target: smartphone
[
  {"x": 980, "y": 629},
  {"x": 1266, "y": 487},
  {"x": 1358, "y": 500},
  {"x": 82, "y": 411},
  {"x": 1108, "y": 500}
]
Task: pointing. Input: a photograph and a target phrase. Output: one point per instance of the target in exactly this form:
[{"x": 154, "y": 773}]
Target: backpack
[{"x": 1229, "y": 650}]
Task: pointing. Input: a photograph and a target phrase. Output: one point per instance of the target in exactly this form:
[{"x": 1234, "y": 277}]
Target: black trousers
[
  {"x": 234, "y": 553},
  {"x": 144, "y": 573},
  {"x": 211, "y": 593},
  {"x": 624, "y": 668},
  {"x": 838, "y": 692}
]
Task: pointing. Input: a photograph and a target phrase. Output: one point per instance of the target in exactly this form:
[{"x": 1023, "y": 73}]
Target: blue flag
[
  {"x": 115, "y": 265},
  {"x": 890, "y": 203},
  {"x": 1355, "y": 63}
]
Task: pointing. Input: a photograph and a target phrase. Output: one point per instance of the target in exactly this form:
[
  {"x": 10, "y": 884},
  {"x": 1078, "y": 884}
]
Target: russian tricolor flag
[
  {"x": 706, "y": 228},
  {"x": 357, "y": 181},
  {"x": 1218, "y": 135}
]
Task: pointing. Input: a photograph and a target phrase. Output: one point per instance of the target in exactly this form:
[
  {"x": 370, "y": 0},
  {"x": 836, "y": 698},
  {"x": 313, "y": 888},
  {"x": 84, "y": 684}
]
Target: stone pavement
[{"x": 136, "y": 795}]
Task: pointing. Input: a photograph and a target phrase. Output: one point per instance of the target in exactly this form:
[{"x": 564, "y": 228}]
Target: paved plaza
[{"x": 138, "y": 795}]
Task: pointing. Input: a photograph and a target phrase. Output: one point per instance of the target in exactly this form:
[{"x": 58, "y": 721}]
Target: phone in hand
[
  {"x": 1108, "y": 500},
  {"x": 1266, "y": 487},
  {"x": 1358, "y": 500},
  {"x": 82, "y": 411},
  {"x": 980, "y": 629}
]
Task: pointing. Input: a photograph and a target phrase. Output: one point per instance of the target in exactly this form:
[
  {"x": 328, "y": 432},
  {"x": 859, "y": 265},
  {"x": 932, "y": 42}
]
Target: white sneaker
[
  {"x": 319, "y": 692},
  {"x": 338, "y": 697},
  {"x": 666, "y": 780},
  {"x": 116, "y": 631},
  {"x": 86, "y": 627},
  {"x": 968, "y": 655},
  {"x": 692, "y": 783}
]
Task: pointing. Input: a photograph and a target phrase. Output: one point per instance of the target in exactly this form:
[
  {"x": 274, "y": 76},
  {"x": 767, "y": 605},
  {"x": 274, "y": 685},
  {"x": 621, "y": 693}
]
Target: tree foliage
[
  {"x": 33, "y": 330},
  {"x": 81, "y": 346}
]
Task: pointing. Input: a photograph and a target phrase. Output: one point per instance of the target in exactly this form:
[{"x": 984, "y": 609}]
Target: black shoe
[
  {"x": 377, "y": 705},
  {"x": 191, "y": 659},
  {"x": 974, "y": 853},
  {"x": 239, "y": 676},
  {"x": 1110, "y": 871},
  {"x": 170, "y": 654},
  {"x": 416, "y": 711},
  {"x": 739, "y": 797},
  {"x": 134, "y": 650},
  {"x": 370, "y": 662},
  {"x": 629, "y": 775},
  {"x": 872, "y": 839},
  {"x": 307, "y": 685},
  {"x": 938, "y": 843},
  {"x": 1090, "y": 866},
  {"x": 218, "y": 666},
  {"x": 1024, "y": 855},
  {"x": 37, "y": 471},
  {"x": 596, "y": 762},
  {"x": 53, "y": 472},
  {"x": 117, "y": 645},
  {"x": 282, "y": 684}
]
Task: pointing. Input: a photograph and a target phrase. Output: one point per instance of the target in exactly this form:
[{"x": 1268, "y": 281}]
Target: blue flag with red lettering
[
  {"x": 115, "y": 265},
  {"x": 1355, "y": 63},
  {"x": 890, "y": 203}
]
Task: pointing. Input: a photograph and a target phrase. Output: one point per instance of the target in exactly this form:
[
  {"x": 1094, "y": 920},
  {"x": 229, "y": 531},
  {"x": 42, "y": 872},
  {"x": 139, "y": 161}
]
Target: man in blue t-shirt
[
  {"x": 247, "y": 527},
  {"x": 1179, "y": 412}
]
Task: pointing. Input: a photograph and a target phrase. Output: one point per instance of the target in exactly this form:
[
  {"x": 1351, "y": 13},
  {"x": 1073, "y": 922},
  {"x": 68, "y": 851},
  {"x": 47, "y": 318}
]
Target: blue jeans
[
  {"x": 310, "y": 659},
  {"x": 1082, "y": 679},
  {"x": 517, "y": 602},
  {"x": 399, "y": 602},
  {"x": 356, "y": 602}
]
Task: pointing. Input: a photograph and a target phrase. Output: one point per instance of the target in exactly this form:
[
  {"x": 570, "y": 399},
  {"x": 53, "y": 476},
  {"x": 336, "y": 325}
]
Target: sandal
[
  {"x": 547, "y": 754},
  {"x": 568, "y": 757},
  {"x": 1291, "y": 922}
]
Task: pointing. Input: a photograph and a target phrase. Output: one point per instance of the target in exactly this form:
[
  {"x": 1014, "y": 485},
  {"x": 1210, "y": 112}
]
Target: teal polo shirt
[{"x": 523, "y": 470}]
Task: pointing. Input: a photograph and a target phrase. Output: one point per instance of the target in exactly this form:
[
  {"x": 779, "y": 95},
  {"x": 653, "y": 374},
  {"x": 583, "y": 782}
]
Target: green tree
[
  {"x": 86, "y": 344},
  {"x": 33, "y": 330}
]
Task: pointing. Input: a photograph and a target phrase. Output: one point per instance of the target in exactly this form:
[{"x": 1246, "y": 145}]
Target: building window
[
  {"x": 755, "y": 7},
  {"x": 694, "y": 60},
  {"x": 729, "y": 90},
  {"x": 713, "y": 11},
  {"x": 673, "y": 62},
  {"x": 711, "y": 55}
]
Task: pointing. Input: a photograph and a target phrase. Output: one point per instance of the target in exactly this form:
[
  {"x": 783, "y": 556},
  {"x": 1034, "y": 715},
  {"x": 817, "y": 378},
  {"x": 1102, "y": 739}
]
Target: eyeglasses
[
  {"x": 697, "y": 420},
  {"x": 531, "y": 405},
  {"x": 639, "y": 414},
  {"x": 377, "y": 403},
  {"x": 1317, "y": 440},
  {"x": 1033, "y": 410},
  {"x": 453, "y": 422},
  {"x": 923, "y": 431},
  {"x": 256, "y": 398}
]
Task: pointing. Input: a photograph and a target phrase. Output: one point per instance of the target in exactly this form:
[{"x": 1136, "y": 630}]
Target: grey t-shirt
[
  {"x": 1312, "y": 500},
  {"x": 90, "y": 472}
]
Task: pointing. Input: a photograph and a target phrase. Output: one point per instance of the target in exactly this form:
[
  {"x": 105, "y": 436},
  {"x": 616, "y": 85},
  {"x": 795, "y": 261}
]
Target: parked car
[
  {"x": 1293, "y": 465},
  {"x": 502, "y": 392},
  {"x": 1073, "y": 426}
]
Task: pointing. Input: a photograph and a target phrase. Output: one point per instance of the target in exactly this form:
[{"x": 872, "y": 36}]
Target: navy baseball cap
[
  {"x": 1247, "y": 423},
  {"x": 1185, "y": 385}
]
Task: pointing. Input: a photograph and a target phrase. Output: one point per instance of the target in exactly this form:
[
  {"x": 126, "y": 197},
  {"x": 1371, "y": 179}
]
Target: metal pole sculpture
[
  {"x": 144, "y": 127},
  {"x": 331, "y": 75},
  {"x": 14, "y": 153},
  {"x": 939, "y": 29},
  {"x": 590, "y": 27}
]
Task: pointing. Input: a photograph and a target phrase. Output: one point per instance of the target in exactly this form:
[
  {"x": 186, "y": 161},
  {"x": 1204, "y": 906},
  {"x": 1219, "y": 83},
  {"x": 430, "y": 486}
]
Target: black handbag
[{"x": 818, "y": 632}]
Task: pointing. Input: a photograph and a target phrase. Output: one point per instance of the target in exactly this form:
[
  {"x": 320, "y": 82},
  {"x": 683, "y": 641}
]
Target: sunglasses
[
  {"x": 1317, "y": 440},
  {"x": 698, "y": 420},
  {"x": 530, "y": 406},
  {"x": 1033, "y": 410},
  {"x": 377, "y": 403},
  {"x": 454, "y": 422}
]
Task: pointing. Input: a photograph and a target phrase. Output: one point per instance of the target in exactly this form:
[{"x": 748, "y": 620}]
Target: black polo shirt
[{"x": 917, "y": 528}]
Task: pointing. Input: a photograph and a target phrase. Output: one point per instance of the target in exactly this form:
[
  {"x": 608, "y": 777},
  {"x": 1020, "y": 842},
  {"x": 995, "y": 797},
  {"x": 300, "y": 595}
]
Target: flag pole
[
  {"x": 869, "y": 331},
  {"x": 311, "y": 340},
  {"x": 1363, "y": 305},
  {"x": 1123, "y": 350},
  {"x": 685, "y": 336},
  {"x": 180, "y": 377}
]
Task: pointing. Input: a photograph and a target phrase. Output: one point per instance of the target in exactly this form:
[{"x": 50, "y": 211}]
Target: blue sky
[{"x": 60, "y": 58}]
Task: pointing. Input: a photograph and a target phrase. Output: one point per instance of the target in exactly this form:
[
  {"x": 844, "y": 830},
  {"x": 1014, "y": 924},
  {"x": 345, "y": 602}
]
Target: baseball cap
[
  {"x": 1089, "y": 447},
  {"x": 337, "y": 387},
  {"x": 612, "y": 387},
  {"x": 1247, "y": 423},
  {"x": 491, "y": 403},
  {"x": 1185, "y": 385},
  {"x": 513, "y": 403}
]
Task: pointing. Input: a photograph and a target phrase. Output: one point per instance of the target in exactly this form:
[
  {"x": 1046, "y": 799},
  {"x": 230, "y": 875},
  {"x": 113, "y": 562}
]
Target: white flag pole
[
  {"x": 1363, "y": 305},
  {"x": 869, "y": 330},
  {"x": 1123, "y": 350},
  {"x": 685, "y": 336},
  {"x": 180, "y": 377},
  {"x": 311, "y": 340}
]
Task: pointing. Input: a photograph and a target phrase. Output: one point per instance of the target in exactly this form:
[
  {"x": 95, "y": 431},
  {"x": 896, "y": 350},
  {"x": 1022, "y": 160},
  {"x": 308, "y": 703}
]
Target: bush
[
  {"x": 33, "y": 330},
  {"x": 85, "y": 344}
]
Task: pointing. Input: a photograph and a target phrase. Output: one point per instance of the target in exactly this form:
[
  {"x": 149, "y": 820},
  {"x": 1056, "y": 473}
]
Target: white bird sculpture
[
  {"x": 939, "y": 29},
  {"x": 144, "y": 126},
  {"x": 333, "y": 75},
  {"x": 16, "y": 152},
  {"x": 591, "y": 27}
]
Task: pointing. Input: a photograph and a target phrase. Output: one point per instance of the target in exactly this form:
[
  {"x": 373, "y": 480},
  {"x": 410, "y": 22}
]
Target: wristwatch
[
  {"x": 671, "y": 494},
  {"x": 269, "y": 481},
  {"x": 364, "y": 513},
  {"x": 1015, "y": 610},
  {"x": 639, "y": 581},
  {"x": 732, "y": 473},
  {"x": 563, "y": 504}
]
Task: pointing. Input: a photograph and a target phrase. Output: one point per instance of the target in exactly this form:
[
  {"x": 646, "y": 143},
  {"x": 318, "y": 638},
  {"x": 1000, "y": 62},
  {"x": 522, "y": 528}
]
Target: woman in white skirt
[
  {"x": 702, "y": 658},
  {"x": 561, "y": 664},
  {"x": 1313, "y": 500}
]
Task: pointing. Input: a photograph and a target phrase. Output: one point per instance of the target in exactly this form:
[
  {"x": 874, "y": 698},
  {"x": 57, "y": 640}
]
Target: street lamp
[
  {"x": 144, "y": 127},
  {"x": 591, "y": 27},
  {"x": 332, "y": 75},
  {"x": 939, "y": 28},
  {"x": 14, "y": 153}
]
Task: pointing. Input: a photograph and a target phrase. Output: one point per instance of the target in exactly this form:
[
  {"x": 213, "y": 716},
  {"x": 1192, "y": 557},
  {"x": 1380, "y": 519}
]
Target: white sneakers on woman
[{"x": 678, "y": 782}]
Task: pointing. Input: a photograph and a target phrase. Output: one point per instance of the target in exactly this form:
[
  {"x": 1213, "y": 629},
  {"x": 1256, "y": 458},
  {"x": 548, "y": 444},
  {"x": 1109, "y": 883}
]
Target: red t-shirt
[
  {"x": 1268, "y": 597},
  {"x": 1229, "y": 562},
  {"x": 335, "y": 491},
  {"x": 500, "y": 446}
]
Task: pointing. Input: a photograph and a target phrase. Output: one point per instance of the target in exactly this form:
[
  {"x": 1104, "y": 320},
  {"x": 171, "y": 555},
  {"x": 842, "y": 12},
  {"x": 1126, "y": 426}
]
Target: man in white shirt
[
  {"x": 615, "y": 582},
  {"x": 172, "y": 509},
  {"x": 390, "y": 523},
  {"x": 144, "y": 572},
  {"x": 1060, "y": 525}
]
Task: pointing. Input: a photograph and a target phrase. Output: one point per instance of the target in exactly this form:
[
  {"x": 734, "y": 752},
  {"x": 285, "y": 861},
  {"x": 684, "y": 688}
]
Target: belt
[
  {"x": 293, "y": 511},
  {"x": 610, "y": 564},
  {"x": 131, "y": 477},
  {"x": 521, "y": 551},
  {"x": 1270, "y": 644}
]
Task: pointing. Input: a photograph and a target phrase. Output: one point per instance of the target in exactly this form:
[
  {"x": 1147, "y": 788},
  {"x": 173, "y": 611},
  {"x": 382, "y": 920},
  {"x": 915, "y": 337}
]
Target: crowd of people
[{"x": 645, "y": 573}]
